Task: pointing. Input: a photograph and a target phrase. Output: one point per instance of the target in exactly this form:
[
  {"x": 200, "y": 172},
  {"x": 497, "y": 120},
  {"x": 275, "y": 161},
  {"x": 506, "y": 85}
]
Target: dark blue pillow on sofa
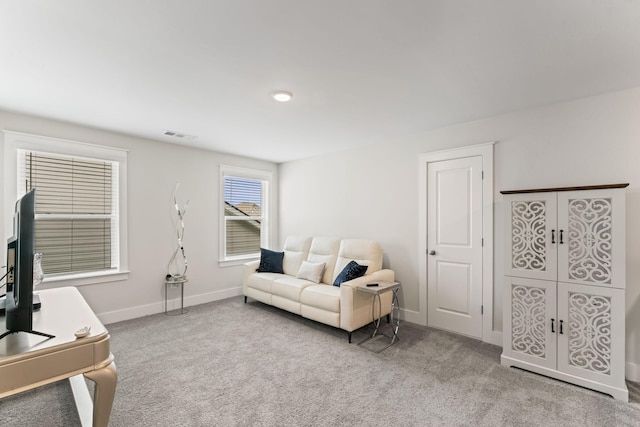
[
  {"x": 351, "y": 271},
  {"x": 270, "y": 261}
]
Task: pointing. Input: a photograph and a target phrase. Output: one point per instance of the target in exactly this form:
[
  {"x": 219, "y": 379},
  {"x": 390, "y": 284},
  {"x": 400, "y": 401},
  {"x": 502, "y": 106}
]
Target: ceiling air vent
[{"x": 179, "y": 135}]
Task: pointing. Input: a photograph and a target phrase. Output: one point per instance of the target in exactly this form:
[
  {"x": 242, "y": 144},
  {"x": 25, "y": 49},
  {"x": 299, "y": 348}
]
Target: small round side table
[{"x": 174, "y": 282}]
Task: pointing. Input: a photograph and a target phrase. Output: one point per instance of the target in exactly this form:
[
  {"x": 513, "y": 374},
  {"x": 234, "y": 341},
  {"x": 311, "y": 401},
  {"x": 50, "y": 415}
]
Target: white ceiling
[{"x": 362, "y": 71}]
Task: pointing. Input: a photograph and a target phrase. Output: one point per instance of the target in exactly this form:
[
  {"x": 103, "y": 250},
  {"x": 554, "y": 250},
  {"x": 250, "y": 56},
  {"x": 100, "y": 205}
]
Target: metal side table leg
[
  {"x": 395, "y": 309},
  {"x": 174, "y": 283},
  {"x": 376, "y": 320}
]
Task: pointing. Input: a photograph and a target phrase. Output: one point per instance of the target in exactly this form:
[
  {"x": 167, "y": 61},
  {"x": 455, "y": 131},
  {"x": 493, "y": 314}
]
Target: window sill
[
  {"x": 237, "y": 261},
  {"x": 83, "y": 279}
]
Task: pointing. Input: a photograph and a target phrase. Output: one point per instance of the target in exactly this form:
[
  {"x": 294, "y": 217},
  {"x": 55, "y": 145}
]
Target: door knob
[{"x": 432, "y": 252}]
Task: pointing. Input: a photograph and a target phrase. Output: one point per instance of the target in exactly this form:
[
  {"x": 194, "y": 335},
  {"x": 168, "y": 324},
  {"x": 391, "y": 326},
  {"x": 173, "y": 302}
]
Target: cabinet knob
[
  {"x": 432, "y": 252},
  {"x": 553, "y": 330},
  {"x": 553, "y": 236}
]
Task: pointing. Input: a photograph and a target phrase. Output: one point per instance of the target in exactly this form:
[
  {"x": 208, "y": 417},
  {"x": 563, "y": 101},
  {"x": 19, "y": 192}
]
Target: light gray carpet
[{"x": 233, "y": 364}]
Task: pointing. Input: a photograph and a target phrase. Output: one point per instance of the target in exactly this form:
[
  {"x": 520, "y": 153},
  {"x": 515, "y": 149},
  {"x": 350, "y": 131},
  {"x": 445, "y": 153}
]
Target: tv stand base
[
  {"x": 42, "y": 334},
  {"x": 36, "y": 304}
]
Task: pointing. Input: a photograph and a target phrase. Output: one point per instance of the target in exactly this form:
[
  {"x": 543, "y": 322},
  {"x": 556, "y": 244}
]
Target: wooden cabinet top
[{"x": 548, "y": 190}]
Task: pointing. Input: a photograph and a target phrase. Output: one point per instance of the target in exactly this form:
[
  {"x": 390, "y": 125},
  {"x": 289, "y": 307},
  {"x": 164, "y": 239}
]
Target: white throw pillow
[{"x": 311, "y": 271}]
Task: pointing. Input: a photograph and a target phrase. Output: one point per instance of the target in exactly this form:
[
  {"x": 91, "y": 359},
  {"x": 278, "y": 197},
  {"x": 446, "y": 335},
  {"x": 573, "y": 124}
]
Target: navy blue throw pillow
[
  {"x": 270, "y": 261},
  {"x": 351, "y": 271}
]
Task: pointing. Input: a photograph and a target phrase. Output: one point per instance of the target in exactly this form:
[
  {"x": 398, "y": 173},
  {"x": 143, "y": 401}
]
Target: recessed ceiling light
[{"x": 282, "y": 95}]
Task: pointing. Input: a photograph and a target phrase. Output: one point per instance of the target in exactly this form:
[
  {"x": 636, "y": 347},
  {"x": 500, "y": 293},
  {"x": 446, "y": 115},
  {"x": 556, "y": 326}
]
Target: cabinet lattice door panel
[
  {"x": 531, "y": 306},
  {"x": 532, "y": 223},
  {"x": 592, "y": 226},
  {"x": 564, "y": 295},
  {"x": 590, "y": 345}
]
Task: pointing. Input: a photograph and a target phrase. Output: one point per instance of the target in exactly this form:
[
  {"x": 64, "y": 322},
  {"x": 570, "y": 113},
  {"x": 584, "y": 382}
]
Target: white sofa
[{"x": 342, "y": 306}]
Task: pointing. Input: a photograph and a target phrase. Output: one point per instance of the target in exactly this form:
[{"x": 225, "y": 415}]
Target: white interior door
[{"x": 454, "y": 245}]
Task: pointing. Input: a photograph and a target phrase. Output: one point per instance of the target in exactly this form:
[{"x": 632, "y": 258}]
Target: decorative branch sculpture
[{"x": 176, "y": 270}]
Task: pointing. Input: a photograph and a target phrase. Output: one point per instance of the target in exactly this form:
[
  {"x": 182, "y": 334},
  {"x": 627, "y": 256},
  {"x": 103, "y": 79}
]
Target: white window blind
[
  {"x": 244, "y": 215},
  {"x": 76, "y": 227}
]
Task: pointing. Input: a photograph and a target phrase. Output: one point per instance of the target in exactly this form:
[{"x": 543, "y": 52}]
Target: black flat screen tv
[{"x": 20, "y": 250}]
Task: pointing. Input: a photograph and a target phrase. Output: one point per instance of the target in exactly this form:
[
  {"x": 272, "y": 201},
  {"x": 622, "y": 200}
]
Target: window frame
[
  {"x": 266, "y": 228},
  {"x": 14, "y": 141}
]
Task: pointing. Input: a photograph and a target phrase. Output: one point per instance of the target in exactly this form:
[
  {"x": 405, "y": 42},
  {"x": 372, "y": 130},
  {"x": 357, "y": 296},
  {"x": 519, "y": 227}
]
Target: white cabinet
[{"x": 564, "y": 297}]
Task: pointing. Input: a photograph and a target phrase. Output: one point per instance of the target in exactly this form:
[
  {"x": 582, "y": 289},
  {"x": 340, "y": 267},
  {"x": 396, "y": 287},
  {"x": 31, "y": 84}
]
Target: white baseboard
[
  {"x": 632, "y": 372},
  {"x": 415, "y": 317},
  {"x": 158, "y": 307},
  {"x": 495, "y": 338},
  {"x": 410, "y": 316}
]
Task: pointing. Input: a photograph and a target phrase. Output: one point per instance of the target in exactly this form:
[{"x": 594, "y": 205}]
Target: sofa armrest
[
  {"x": 247, "y": 270},
  {"x": 355, "y": 306},
  {"x": 385, "y": 275}
]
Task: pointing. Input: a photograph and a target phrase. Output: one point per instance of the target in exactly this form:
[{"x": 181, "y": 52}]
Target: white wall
[
  {"x": 154, "y": 168},
  {"x": 370, "y": 192},
  {"x": 373, "y": 192}
]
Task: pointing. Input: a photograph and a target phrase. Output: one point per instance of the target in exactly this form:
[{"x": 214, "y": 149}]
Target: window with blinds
[
  {"x": 76, "y": 227},
  {"x": 244, "y": 215}
]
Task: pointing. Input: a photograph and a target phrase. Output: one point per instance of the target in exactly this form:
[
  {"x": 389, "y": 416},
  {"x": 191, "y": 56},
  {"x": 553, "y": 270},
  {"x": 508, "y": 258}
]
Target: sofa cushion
[
  {"x": 327, "y": 317},
  {"x": 311, "y": 271},
  {"x": 262, "y": 281},
  {"x": 270, "y": 261},
  {"x": 295, "y": 250},
  {"x": 364, "y": 252},
  {"x": 289, "y": 287},
  {"x": 326, "y": 297},
  {"x": 325, "y": 249},
  {"x": 351, "y": 271}
]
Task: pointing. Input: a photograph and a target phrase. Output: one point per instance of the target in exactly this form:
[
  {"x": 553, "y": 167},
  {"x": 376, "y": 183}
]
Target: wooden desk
[{"x": 28, "y": 361}]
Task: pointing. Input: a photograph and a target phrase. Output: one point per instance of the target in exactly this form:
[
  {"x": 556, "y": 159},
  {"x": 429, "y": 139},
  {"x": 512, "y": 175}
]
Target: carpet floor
[{"x": 233, "y": 364}]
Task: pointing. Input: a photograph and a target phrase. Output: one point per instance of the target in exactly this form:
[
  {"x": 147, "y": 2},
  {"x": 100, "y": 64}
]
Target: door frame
[{"x": 486, "y": 152}]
